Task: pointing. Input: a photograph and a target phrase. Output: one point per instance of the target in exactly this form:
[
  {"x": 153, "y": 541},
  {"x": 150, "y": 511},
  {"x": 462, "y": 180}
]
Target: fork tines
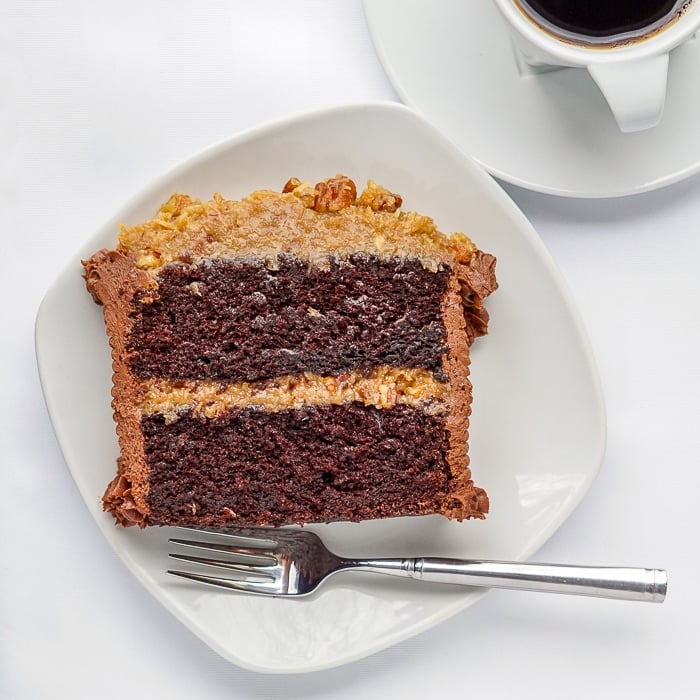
[{"x": 253, "y": 558}]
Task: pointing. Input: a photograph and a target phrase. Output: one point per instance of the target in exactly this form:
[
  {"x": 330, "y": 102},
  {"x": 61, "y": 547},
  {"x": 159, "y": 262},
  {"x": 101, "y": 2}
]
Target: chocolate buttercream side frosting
[
  {"x": 113, "y": 280},
  {"x": 465, "y": 319},
  {"x": 478, "y": 280}
]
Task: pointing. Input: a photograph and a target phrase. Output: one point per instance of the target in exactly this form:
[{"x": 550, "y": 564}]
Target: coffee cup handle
[{"x": 635, "y": 90}]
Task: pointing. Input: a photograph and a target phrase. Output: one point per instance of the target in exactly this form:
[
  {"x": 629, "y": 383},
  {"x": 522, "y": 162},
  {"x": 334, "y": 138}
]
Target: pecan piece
[
  {"x": 334, "y": 194},
  {"x": 301, "y": 190},
  {"x": 291, "y": 184},
  {"x": 378, "y": 198}
]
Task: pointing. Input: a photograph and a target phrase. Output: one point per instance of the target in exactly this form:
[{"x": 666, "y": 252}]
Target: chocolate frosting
[
  {"x": 113, "y": 280},
  {"x": 118, "y": 500},
  {"x": 480, "y": 276}
]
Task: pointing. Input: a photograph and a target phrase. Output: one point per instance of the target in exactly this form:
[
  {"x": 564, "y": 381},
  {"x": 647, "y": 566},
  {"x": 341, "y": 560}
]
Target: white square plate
[{"x": 537, "y": 432}]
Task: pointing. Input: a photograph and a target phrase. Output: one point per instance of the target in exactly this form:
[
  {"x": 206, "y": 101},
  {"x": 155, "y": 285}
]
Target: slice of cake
[{"x": 292, "y": 357}]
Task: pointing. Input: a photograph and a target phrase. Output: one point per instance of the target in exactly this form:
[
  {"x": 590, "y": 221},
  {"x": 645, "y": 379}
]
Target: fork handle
[{"x": 624, "y": 583}]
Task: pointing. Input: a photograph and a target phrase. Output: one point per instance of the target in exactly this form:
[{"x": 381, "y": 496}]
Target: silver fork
[{"x": 283, "y": 562}]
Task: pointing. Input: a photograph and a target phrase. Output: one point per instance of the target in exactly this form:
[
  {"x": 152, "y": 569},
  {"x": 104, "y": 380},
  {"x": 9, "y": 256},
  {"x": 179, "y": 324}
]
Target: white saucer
[{"x": 551, "y": 132}]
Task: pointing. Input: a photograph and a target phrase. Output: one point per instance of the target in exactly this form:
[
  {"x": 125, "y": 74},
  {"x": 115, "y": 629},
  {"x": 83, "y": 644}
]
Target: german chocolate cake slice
[{"x": 292, "y": 357}]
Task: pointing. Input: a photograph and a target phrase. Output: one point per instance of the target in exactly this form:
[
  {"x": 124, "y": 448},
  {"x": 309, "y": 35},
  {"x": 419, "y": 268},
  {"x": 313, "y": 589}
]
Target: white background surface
[{"x": 96, "y": 98}]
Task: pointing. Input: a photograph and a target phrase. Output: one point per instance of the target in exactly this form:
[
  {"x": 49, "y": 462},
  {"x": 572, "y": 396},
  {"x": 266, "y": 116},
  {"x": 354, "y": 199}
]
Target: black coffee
[{"x": 603, "y": 19}]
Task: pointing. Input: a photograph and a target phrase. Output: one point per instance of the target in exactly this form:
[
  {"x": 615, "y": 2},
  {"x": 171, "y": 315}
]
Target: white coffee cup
[{"x": 630, "y": 70}]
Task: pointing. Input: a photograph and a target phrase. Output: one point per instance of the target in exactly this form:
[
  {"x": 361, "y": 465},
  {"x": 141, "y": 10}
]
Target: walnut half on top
[{"x": 339, "y": 192}]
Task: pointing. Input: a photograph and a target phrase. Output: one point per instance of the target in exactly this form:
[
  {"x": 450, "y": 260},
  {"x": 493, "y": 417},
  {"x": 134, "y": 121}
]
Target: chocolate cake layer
[
  {"x": 314, "y": 464},
  {"x": 298, "y": 317}
]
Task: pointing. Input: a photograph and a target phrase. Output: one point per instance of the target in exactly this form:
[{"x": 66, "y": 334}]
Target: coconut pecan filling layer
[
  {"x": 383, "y": 387},
  {"x": 308, "y": 222}
]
